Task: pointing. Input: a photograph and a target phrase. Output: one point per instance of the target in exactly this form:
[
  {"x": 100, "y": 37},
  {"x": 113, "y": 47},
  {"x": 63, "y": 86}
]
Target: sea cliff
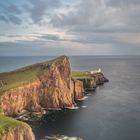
[
  {"x": 42, "y": 87},
  {"x": 49, "y": 90},
  {"x": 11, "y": 129}
]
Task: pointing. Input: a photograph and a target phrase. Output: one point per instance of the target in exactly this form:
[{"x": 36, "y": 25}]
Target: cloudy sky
[{"x": 72, "y": 27}]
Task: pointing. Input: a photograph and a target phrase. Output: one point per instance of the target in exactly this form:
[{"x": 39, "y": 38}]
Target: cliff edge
[{"x": 11, "y": 129}]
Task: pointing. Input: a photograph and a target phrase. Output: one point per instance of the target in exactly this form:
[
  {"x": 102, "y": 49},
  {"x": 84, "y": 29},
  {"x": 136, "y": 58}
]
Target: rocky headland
[{"x": 42, "y": 87}]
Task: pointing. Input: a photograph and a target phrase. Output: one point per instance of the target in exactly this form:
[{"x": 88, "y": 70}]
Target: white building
[{"x": 96, "y": 71}]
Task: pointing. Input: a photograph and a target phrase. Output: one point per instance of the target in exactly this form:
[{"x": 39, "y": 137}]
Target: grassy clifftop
[
  {"x": 13, "y": 79},
  {"x": 6, "y": 124},
  {"x": 80, "y": 75},
  {"x": 83, "y": 75}
]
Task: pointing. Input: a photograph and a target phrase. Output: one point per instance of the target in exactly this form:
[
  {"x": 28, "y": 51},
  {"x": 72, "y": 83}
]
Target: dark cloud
[
  {"x": 11, "y": 19},
  {"x": 34, "y": 10},
  {"x": 15, "y": 19},
  {"x": 3, "y": 18},
  {"x": 13, "y": 9},
  {"x": 38, "y": 8},
  {"x": 10, "y": 14}
]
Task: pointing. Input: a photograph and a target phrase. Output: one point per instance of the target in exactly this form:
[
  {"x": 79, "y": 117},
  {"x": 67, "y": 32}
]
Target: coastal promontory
[{"x": 40, "y": 88}]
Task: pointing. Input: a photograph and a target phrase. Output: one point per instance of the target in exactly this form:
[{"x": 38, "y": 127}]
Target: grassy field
[
  {"x": 80, "y": 75},
  {"x": 6, "y": 124},
  {"x": 13, "y": 79}
]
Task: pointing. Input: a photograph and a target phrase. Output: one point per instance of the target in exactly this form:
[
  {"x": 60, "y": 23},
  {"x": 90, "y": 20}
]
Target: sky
[{"x": 70, "y": 27}]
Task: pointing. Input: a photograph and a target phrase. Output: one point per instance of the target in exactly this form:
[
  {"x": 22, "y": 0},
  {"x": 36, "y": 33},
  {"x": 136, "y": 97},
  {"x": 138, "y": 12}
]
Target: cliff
[
  {"x": 11, "y": 129},
  {"x": 49, "y": 88},
  {"x": 37, "y": 89},
  {"x": 45, "y": 86},
  {"x": 89, "y": 81}
]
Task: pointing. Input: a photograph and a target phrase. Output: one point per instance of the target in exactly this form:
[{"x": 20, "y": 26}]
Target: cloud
[
  {"x": 33, "y": 10},
  {"x": 102, "y": 16},
  {"x": 38, "y": 47},
  {"x": 37, "y": 9},
  {"x": 123, "y": 3},
  {"x": 82, "y": 16},
  {"x": 3, "y": 18},
  {"x": 10, "y": 13},
  {"x": 91, "y": 25},
  {"x": 12, "y": 8},
  {"x": 29, "y": 38},
  {"x": 15, "y": 19},
  {"x": 50, "y": 37},
  {"x": 55, "y": 44}
]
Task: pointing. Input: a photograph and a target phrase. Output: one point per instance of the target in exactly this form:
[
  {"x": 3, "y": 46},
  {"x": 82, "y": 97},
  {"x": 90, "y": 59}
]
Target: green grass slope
[
  {"x": 7, "y": 124},
  {"x": 13, "y": 79}
]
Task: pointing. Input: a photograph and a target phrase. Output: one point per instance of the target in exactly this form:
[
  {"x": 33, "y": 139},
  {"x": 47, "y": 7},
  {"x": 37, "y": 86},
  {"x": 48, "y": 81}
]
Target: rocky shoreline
[{"x": 61, "y": 137}]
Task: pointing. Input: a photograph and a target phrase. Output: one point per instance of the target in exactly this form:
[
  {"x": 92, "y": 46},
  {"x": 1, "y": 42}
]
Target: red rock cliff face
[
  {"x": 56, "y": 85},
  {"x": 92, "y": 82},
  {"x": 78, "y": 89},
  {"x": 51, "y": 90},
  {"x": 16, "y": 134},
  {"x": 23, "y": 97}
]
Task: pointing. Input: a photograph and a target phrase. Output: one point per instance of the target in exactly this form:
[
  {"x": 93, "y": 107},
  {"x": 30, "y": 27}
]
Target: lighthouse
[
  {"x": 99, "y": 70},
  {"x": 96, "y": 71}
]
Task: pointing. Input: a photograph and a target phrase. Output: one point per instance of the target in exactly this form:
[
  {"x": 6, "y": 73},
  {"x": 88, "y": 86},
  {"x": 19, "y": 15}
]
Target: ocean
[{"x": 112, "y": 112}]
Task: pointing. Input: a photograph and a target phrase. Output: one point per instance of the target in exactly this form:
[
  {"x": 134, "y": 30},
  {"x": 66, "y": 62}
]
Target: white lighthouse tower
[{"x": 99, "y": 70}]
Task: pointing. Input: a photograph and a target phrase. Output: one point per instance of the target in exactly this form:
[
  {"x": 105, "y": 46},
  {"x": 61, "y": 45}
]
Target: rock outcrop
[
  {"x": 93, "y": 81},
  {"x": 78, "y": 90},
  {"x": 61, "y": 137}
]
